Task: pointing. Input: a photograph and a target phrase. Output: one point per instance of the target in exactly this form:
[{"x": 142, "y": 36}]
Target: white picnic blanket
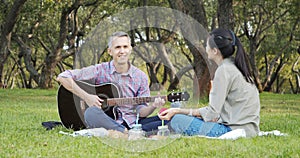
[
  {"x": 240, "y": 133},
  {"x": 274, "y": 132},
  {"x": 232, "y": 135},
  {"x": 97, "y": 132}
]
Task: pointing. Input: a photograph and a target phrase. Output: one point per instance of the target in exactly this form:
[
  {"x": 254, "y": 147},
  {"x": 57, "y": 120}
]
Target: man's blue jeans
[
  {"x": 189, "y": 125},
  {"x": 96, "y": 118}
]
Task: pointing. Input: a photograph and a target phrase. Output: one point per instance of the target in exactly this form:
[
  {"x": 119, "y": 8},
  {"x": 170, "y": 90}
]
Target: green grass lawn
[{"x": 22, "y": 135}]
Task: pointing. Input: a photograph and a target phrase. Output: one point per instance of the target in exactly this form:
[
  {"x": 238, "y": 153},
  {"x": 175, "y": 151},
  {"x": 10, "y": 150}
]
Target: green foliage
[
  {"x": 22, "y": 111},
  {"x": 274, "y": 26},
  {"x": 39, "y": 26}
]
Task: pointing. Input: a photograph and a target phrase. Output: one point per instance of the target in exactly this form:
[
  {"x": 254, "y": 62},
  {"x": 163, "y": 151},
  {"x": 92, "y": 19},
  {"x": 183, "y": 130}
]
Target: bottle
[
  {"x": 136, "y": 132},
  {"x": 163, "y": 131}
]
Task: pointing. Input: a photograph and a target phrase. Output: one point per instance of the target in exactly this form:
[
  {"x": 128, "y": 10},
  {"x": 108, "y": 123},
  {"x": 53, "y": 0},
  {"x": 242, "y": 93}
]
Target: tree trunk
[
  {"x": 296, "y": 89},
  {"x": 274, "y": 76},
  {"x": 253, "y": 64},
  {"x": 54, "y": 57},
  {"x": 178, "y": 76},
  {"x": 225, "y": 14},
  {"x": 196, "y": 10},
  {"x": 154, "y": 83},
  {"x": 166, "y": 61},
  {"x": 25, "y": 52},
  {"x": 6, "y": 29}
]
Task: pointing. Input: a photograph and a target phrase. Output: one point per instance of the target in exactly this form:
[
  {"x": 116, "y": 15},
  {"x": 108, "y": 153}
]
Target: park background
[{"x": 40, "y": 39}]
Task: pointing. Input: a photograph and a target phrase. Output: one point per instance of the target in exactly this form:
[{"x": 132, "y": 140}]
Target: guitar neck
[{"x": 132, "y": 101}]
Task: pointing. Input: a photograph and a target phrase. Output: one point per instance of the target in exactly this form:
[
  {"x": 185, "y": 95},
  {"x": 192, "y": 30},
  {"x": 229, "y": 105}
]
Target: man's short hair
[{"x": 117, "y": 34}]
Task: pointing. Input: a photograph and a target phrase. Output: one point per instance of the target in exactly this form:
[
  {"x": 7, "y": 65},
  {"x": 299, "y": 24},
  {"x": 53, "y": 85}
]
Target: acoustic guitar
[{"x": 71, "y": 108}]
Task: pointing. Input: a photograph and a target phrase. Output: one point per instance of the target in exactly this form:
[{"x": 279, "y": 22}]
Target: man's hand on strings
[
  {"x": 93, "y": 100},
  {"x": 158, "y": 102}
]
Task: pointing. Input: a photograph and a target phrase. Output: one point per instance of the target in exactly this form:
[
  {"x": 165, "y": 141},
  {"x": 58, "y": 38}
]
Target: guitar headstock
[{"x": 178, "y": 96}]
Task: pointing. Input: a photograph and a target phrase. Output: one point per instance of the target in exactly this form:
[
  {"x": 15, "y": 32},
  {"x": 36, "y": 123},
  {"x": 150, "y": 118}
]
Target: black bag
[{"x": 51, "y": 124}]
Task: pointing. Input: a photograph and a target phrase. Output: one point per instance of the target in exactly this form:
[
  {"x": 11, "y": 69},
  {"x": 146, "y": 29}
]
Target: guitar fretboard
[{"x": 132, "y": 101}]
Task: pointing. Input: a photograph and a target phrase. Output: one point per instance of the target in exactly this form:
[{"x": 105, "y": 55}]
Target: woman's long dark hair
[{"x": 225, "y": 40}]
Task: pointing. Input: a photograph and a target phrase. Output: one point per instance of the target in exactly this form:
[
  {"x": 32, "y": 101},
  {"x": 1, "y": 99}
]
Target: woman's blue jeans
[{"x": 189, "y": 125}]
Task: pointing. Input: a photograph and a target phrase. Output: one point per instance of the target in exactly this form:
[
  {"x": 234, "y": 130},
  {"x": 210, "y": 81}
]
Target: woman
[{"x": 234, "y": 99}]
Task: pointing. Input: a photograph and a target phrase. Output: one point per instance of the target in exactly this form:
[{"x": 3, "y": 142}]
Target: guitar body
[{"x": 71, "y": 108}]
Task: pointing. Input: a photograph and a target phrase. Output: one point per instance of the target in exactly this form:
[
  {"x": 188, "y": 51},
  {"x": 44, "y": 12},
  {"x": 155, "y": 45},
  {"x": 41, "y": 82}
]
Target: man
[{"x": 132, "y": 81}]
